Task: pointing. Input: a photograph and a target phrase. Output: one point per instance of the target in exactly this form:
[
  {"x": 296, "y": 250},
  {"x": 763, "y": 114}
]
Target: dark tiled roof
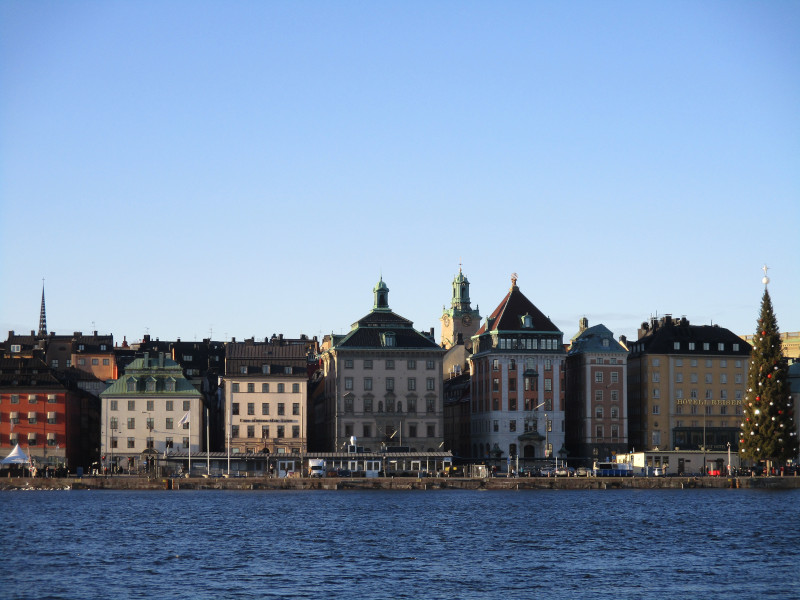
[
  {"x": 26, "y": 372},
  {"x": 661, "y": 339},
  {"x": 370, "y": 332},
  {"x": 508, "y": 315}
]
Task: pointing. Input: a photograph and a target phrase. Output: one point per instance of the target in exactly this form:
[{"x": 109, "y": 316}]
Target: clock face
[
  {"x": 446, "y": 320},
  {"x": 466, "y": 320}
]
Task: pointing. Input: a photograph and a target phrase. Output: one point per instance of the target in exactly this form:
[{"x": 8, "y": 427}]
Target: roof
[
  {"x": 509, "y": 315},
  {"x": 660, "y": 337},
  {"x": 592, "y": 340},
  {"x": 147, "y": 367}
]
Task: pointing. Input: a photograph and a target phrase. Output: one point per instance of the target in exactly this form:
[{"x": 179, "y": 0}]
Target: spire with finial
[
  {"x": 42, "y": 317},
  {"x": 513, "y": 280},
  {"x": 765, "y": 279}
]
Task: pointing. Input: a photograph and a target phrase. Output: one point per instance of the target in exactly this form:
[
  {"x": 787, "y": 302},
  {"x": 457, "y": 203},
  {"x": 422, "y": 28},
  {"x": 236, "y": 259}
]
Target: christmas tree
[{"x": 768, "y": 428}]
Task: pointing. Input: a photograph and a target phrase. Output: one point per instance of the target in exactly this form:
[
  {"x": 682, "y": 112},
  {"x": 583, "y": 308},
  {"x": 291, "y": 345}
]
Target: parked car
[
  {"x": 565, "y": 472},
  {"x": 583, "y": 472}
]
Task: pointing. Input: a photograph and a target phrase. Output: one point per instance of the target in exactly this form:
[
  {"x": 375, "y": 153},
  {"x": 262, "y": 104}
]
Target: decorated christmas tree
[{"x": 768, "y": 428}]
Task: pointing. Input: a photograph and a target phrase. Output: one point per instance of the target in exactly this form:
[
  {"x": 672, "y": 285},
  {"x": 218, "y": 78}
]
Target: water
[{"x": 446, "y": 544}]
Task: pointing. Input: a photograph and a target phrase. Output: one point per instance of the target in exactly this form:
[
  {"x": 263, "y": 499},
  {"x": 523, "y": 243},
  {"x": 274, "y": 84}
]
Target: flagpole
[
  {"x": 190, "y": 446},
  {"x": 208, "y": 453}
]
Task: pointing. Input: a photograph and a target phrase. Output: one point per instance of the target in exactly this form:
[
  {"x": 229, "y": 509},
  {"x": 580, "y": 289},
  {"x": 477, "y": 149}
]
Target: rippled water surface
[{"x": 613, "y": 544}]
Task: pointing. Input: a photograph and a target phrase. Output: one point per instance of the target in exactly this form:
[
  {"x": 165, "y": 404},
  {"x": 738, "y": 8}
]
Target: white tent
[{"x": 17, "y": 456}]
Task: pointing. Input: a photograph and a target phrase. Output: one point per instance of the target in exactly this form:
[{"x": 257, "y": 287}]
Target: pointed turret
[{"x": 42, "y": 317}]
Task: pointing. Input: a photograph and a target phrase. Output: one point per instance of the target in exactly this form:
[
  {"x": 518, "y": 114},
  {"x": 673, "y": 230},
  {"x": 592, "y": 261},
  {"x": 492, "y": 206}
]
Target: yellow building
[
  {"x": 686, "y": 384},
  {"x": 790, "y": 343}
]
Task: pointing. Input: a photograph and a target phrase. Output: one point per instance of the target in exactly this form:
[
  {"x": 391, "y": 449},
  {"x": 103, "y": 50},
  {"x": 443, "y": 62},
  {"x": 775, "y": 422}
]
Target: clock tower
[{"x": 459, "y": 318}]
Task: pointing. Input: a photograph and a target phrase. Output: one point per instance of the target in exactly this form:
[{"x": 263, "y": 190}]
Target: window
[
  {"x": 656, "y": 393},
  {"x": 430, "y": 405},
  {"x": 411, "y": 403},
  {"x": 281, "y": 388},
  {"x": 348, "y": 363},
  {"x": 432, "y": 431},
  {"x": 106, "y": 362},
  {"x": 54, "y": 363},
  {"x": 598, "y": 395},
  {"x": 295, "y": 388},
  {"x": 598, "y": 431},
  {"x": 131, "y": 423},
  {"x": 264, "y": 388},
  {"x": 495, "y": 385},
  {"x": 187, "y": 405},
  {"x": 95, "y": 362},
  {"x": 548, "y": 385},
  {"x": 548, "y": 365},
  {"x": 251, "y": 408},
  {"x": 51, "y": 398},
  {"x": 131, "y": 442},
  {"x": 243, "y": 370},
  {"x": 495, "y": 365},
  {"x": 723, "y": 378},
  {"x": 265, "y": 408},
  {"x": 429, "y": 364},
  {"x": 598, "y": 412},
  {"x": 168, "y": 443},
  {"x": 512, "y": 425},
  {"x": 412, "y": 430},
  {"x": 708, "y": 377},
  {"x": 412, "y": 364},
  {"x": 251, "y": 387},
  {"x": 264, "y": 432},
  {"x": 656, "y": 377},
  {"x": 430, "y": 384},
  {"x": 721, "y": 346},
  {"x": 656, "y": 362},
  {"x": 186, "y": 442},
  {"x": 235, "y": 431},
  {"x": 598, "y": 377},
  {"x": 169, "y": 423},
  {"x": 150, "y": 405},
  {"x": 131, "y": 405},
  {"x": 614, "y": 431},
  {"x": 614, "y": 395},
  {"x": 368, "y": 404},
  {"x": 234, "y": 387},
  {"x": 295, "y": 408},
  {"x": 705, "y": 346},
  {"x": 512, "y": 365},
  {"x": 282, "y": 431},
  {"x": 679, "y": 377},
  {"x": 412, "y": 384},
  {"x": 615, "y": 412},
  {"x": 281, "y": 408},
  {"x": 295, "y": 431},
  {"x": 614, "y": 377},
  {"x": 251, "y": 431},
  {"x": 512, "y": 404},
  {"x": 367, "y": 364},
  {"x": 656, "y": 409},
  {"x": 736, "y": 347},
  {"x": 14, "y": 398},
  {"x": 390, "y": 384},
  {"x": 32, "y": 418},
  {"x": 81, "y": 361},
  {"x": 367, "y": 383},
  {"x": 348, "y": 383},
  {"x": 235, "y": 408},
  {"x": 390, "y": 364},
  {"x": 676, "y": 346},
  {"x": 114, "y": 404}
]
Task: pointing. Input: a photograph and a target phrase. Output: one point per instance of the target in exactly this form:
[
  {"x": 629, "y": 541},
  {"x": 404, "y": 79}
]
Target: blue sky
[{"x": 247, "y": 168}]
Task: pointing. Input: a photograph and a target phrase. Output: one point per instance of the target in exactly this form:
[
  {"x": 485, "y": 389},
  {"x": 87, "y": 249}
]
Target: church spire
[{"x": 42, "y": 317}]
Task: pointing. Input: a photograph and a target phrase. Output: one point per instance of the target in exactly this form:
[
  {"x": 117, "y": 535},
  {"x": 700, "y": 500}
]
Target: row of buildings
[{"x": 505, "y": 388}]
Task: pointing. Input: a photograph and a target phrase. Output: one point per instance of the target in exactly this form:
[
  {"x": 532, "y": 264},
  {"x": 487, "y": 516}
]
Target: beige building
[
  {"x": 382, "y": 385},
  {"x": 266, "y": 395},
  {"x": 686, "y": 385},
  {"x": 790, "y": 343}
]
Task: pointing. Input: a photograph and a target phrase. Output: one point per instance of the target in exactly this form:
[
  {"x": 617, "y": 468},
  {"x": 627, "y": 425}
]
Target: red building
[{"x": 55, "y": 423}]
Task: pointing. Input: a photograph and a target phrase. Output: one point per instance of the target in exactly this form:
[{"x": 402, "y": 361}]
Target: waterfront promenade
[{"x": 395, "y": 483}]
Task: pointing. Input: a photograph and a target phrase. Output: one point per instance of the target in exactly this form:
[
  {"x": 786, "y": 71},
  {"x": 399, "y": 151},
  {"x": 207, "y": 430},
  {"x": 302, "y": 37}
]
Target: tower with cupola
[{"x": 460, "y": 319}]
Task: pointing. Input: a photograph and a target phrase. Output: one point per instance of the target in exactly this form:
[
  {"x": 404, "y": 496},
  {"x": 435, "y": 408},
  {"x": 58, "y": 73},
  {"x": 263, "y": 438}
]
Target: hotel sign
[{"x": 695, "y": 401}]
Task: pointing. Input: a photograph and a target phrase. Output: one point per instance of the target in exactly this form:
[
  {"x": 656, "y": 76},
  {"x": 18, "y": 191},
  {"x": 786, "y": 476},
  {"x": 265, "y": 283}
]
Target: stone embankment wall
[{"x": 397, "y": 483}]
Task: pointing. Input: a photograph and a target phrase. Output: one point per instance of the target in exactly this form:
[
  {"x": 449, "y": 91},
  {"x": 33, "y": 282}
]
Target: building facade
[
  {"x": 382, "y": 384},
  {"x": 266, "y": 395},
  {"x": 686, "y": 386},
  {"x": 596, "y": 395},
  {"x": 517, "y": 370},
  {"x": 152, "y": 409},
  {"x": 459, "y": 322},
  {"x": 55, "y": 423}
]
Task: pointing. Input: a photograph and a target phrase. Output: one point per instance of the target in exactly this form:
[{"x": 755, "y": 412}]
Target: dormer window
[
  {"x": 16, "y": 348},
  {"x": 150, "y": 386},
  {"x": 102, "y": 347},
  {"x": 169, "y": 384},
  {"x": 131, "y": 385},
  {"x": 605, "y": 343},
  {"x": 389, "y": 340},
  {"x": 527, "y": 321}
]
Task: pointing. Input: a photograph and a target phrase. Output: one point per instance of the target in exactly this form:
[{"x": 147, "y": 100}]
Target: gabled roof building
[
  {"x": 382, "y": 384},
  {"x": 517, "y": 369}
]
